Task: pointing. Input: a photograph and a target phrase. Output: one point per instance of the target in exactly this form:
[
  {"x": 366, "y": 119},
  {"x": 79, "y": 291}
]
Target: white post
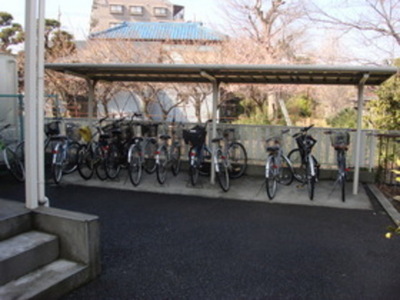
[
  {"x": 214, "y": 126},
  {"x": 40, "y": 106},
  {"x": 31, "y": 151},
  {"x": 360, "y": 108}
]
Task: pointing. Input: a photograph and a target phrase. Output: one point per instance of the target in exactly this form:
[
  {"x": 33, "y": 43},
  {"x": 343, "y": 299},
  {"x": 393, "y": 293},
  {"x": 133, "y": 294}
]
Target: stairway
[{"x": 31, "y": 264}]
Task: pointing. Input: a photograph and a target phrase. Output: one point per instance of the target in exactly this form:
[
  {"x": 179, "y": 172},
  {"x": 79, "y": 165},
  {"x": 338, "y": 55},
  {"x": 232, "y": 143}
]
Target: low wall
[{"x": 79, "y": 235}]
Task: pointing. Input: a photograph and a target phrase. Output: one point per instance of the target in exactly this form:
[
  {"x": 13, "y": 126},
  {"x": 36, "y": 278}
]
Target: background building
[{"x": 109, "y": 13}]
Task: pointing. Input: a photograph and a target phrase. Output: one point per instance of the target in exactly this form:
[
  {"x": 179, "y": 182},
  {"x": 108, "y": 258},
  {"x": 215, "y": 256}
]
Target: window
[
  {"x": 160, "y": 11},
  {"x": 116, "y": 9},
  {"x": 136, "y": 10}
]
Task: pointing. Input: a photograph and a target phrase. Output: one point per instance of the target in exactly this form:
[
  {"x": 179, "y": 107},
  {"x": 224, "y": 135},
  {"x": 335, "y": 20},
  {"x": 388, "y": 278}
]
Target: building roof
[
  {"x": 263, "y": 74},
  {"x": 160, "y": 31}
]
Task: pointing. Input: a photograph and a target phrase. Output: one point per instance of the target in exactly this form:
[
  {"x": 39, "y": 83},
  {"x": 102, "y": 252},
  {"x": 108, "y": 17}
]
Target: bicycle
[
  {"x": 64, "y": 151},
  {"x": 235, "y": 152},
  {"x": 116, "y": 156},
  {"x": 13, "y": 158},
  {"x": 168, "y": 154},
  {"x": 305, "y": 165},
  {"x": 91, "y": 154},
  {"x": 278, "y": 168},
  {"x": 142, "y": 151},
  {"x": 199, "y": 152},
  {"x": 340, "y": 141}
]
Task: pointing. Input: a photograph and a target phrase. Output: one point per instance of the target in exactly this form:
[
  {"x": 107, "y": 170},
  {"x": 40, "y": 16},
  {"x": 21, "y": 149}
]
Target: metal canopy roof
[{"x": 265, "y": 74}]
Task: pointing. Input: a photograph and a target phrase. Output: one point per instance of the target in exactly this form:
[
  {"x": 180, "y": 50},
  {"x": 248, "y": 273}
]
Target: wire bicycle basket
[
  {"x": 72, "y": 131},
  {"x": 52, "y": 128},
  {"x": 340, "y": 139},
  {"x": 195, "y": 136}
]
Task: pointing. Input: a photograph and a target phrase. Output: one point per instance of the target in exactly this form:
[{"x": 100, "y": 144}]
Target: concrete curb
[{"x": 386, "y": 204}]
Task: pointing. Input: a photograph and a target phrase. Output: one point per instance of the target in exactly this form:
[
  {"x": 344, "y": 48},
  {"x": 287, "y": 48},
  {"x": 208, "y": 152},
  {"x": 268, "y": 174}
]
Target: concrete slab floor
[{"x": 248, "y": 188}]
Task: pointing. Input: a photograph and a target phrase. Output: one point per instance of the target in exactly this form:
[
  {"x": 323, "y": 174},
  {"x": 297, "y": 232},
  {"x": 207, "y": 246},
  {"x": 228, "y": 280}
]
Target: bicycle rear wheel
[
  {"x": 222, "y": 171},
  {"x": 285, "y": 175},
  {"x": 14, "y": 164},
  {"x": 134, "y": 165},
  {"x": 270, "y": 179},
  {"x": 237, "y": 157},
  {"x": 175, "y": 159},
  {"x": 86, "y": 162},
  {"x": 161, "y": 165},
  {"x": 149, "y": 149},
  {"x": 112, "y": 161},
  {"x": 99, "y": 165}
]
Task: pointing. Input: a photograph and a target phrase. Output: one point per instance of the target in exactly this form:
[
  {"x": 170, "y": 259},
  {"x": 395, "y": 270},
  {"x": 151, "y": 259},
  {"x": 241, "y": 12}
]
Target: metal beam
[{"x": 360, "y": 107}]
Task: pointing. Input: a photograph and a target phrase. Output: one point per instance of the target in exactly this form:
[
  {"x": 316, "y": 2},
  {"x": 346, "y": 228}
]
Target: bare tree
[
  {"x": 274, "y": 25},
  {"x": 373, "y": 24}
]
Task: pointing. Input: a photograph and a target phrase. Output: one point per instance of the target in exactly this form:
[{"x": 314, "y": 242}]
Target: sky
[
  {"x": 75, "y": 17},
  {"x": 75, "y": 14}
]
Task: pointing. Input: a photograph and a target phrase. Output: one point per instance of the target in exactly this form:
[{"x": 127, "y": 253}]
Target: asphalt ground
[{"x": 166, "y": 246}]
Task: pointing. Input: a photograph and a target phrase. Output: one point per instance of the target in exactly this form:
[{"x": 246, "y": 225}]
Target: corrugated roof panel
[{"x": 160, "y": 31}]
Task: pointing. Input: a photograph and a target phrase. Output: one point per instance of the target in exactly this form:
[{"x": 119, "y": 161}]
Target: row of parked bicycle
[{"x": 135, "y": 145}]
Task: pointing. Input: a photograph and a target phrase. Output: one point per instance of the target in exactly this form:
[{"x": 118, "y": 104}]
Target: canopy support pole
[
  {"x": 43, "y": 200},
  {"x": 360, "y": 108},
  {"x": 215, "y": 85},
  {"x": 30, "y": 130}
]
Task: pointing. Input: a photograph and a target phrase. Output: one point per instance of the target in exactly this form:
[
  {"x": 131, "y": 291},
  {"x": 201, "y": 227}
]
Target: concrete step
[
  {"x": 21, "y": 254},
  {"x": 48, "y": 282},
  {"x": 14, "y": 219}
]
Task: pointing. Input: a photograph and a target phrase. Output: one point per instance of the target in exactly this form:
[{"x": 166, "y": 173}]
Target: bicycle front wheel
[
  {"x": 310, "y": 180},
  {"x": 193, "y": 166},
  {"x": 342, "y": 174},
  {"x": 222, "y": 171},
  {"x": 134, "y": 165},
  {"x": 237, "y": 157},
  {"x": 57, "y": 163},
  {"x": 14, "y": 163},
  {"x": 70, "y": 163},
  {"x": 270, "y": 179},
  {"x": 161, "y": 165},
  {"x": 299, "y": 168}
]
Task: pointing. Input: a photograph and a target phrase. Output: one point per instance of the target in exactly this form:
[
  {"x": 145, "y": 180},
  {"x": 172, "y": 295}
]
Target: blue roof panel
[{"x": 154, "y": 31}]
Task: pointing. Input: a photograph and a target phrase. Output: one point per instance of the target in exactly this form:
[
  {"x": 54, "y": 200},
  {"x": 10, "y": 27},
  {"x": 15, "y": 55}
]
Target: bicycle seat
[
  {"x": 273, "y": 148},
  {"x": 165, "y": 137},
  {"x": 341, "y": 147},
  {"x": 216, "y": 140}
]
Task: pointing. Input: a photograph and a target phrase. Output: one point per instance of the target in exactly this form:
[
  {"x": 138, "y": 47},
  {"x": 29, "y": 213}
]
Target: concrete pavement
[{"x": 248, "y": 188}]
